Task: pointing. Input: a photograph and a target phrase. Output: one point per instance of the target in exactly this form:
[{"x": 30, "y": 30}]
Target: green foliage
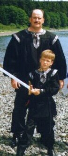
[
  {"x": 17, "y": 12},
  {"x": 55, "y": 20},
  {"x": 47, "y": 19},
  {"x": 12, "y": 14},
  {"x": 1, "y": 26},
  {"x": 52, "y": 20},
  {"x": 64, "y": 19},
  {"x": 9, "y": 2}
]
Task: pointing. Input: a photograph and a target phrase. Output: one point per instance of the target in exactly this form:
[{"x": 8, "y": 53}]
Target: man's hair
[
  {"x": 36, "y": 9},
  {"x": 48, "y": 54}
]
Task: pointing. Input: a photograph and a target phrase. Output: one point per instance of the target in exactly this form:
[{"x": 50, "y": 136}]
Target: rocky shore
[
  {"x": 7, "y": 96},
  {"x": 6, "y": 32}
]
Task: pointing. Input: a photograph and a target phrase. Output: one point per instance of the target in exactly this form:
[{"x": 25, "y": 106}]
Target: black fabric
[
  {"x": 19, "y": 112},
  {"x": 44, "y": 127},
  {"x": 41, "y": 105},
  {"x": 22, "y": 57}
]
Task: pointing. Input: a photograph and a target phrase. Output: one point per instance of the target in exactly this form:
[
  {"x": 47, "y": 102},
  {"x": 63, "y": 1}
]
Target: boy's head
[
  {"x": 47, "y": 58},
  {"x": 48, "y": 54}
]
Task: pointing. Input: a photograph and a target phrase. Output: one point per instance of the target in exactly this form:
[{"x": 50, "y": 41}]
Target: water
[
  {"x": 63, "y": 37},
  {"x": 3, "y": 44}
]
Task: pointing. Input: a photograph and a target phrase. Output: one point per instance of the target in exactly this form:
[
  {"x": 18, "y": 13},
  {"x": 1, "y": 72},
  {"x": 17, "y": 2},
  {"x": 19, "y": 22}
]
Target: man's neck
[{"x": 37, "y": 30}]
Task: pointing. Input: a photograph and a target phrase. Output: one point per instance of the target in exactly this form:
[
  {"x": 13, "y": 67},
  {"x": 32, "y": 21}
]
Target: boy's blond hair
[{"x": 48, "y": 54}]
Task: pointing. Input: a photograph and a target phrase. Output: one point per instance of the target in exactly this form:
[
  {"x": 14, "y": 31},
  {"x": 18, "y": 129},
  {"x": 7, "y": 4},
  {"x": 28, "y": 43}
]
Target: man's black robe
[{"x": 22, "y": 57}]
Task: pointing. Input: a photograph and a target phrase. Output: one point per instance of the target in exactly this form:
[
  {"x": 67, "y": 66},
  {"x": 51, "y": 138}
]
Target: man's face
[
  {"x": 37, "y": 19},
  {"x": 45, "y": 63}
]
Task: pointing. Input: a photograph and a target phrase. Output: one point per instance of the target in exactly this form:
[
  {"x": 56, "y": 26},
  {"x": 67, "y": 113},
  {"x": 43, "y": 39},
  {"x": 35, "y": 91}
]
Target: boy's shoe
[{"x": 50, "y": 152}]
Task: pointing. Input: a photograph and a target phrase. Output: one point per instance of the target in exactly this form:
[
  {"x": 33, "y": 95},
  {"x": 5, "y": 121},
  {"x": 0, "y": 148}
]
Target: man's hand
[
  {"x": 61, "y": 83},
  {"x": 15, "y": 84}
]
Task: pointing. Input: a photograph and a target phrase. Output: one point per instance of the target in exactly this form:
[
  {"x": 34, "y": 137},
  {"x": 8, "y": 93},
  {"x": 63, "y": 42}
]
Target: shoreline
[{"x": 8, "y": 33}]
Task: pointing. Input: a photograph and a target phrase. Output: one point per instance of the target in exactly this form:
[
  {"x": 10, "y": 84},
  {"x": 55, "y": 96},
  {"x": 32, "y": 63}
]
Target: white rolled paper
[{"x": 15, "y": 78}]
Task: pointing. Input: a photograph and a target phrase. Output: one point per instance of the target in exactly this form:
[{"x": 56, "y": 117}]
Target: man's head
[
  {"x": 37, "y": 18},
  {"x": 46, "y": 60}
]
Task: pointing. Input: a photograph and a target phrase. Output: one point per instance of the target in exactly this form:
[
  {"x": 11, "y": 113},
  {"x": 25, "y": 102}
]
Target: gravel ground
[{"x": 7, "y": 96}]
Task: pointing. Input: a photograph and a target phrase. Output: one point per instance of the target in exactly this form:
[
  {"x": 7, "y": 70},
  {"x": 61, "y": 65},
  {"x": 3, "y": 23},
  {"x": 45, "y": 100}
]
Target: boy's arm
[
  {"x": 32, "y": 90},
  {"x": 52, "y": 87}
]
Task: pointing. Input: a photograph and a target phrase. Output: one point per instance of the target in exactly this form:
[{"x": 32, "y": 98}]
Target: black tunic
[
  {"x": 42, "y": 107},
  {"x": 43, "y": 104},
  {"x": 22, "y": 57}
]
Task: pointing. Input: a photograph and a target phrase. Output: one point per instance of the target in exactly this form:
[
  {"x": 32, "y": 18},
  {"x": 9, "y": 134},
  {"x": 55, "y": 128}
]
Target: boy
[{"x": 45, "y": 84}]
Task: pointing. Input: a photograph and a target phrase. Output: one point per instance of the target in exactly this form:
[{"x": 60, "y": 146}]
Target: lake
[{"x": 63, "y": 37}]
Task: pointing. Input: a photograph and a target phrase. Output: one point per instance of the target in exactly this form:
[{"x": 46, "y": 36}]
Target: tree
[
  {"x": 64, "y": 19},
  {"x": 12, "y": 14},
  {"x": 3, "y": 16},
  {"x": 56, "y": 13},
  {"x": 55, "y": 20},
  {"x": 10, "y": 2},
  {"x": 47, "y": 19}
]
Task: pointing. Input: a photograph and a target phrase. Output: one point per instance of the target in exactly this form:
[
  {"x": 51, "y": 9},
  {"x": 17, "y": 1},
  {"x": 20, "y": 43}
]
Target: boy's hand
[
  {"x": 32, "y": 90},
  {"x": 35, "y": 91}
]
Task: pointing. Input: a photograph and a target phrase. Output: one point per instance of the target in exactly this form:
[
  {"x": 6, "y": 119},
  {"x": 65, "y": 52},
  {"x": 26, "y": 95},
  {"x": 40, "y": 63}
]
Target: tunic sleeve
[
  {"x": 11, "y": 60},
  {"x": 60, "y": 60},
  {"x": 52, "y": 87}
]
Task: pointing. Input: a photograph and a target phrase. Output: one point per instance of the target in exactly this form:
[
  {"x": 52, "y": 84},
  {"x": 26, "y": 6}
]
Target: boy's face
[{"x": 45, "y": 63}]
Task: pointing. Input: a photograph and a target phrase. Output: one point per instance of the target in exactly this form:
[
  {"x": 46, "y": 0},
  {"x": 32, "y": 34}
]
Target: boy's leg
[{"x": 45, "y": 127}]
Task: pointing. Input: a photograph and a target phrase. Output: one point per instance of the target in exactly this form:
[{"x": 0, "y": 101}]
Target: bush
[{"x": 12, "y": 14}]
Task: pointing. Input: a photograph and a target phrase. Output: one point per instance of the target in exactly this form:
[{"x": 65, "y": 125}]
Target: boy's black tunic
[
  {"x": 42, "y": 107},
  {"x": 21, "y": 58},
  {"x": 48, "y": 82}
]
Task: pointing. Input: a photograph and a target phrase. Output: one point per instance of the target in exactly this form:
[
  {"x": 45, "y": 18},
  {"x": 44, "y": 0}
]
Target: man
[{"x": 22, "y": 56}]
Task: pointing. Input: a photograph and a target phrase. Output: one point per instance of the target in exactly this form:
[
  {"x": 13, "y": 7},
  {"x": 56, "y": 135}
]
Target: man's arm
[
  {"x": 61, "y": 83},
  {"x": 10, "y": 60},
  {"x": 60, "y": 60},
  {"x": 10, "y": 63}
]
